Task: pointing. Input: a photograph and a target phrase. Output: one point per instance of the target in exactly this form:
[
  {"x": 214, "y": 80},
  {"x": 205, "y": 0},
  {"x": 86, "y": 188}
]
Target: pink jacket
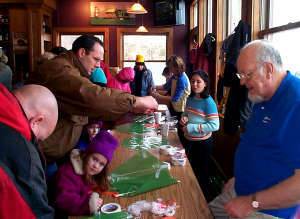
[{"x": 122, "y": 80}]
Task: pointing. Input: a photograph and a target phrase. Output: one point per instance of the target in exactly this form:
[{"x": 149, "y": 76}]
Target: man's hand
[
  {"x": 239, "y": 207},
  {"x": 145, "y": 105}
]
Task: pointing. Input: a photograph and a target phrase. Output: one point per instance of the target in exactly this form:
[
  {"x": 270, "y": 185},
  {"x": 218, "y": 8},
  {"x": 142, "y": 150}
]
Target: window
[
  {"x": 65, "y": 36},
  {"x": 284, "y": 12},
  {"x": 234, "y": 14},
  {"x": 68, "y": 39},
  {"x": 209, "y": 16},
  {"x": 281, "y": 26},
  {"x": 152, "y": 47},
  {"x": 194, "y": 15},
  {"x": 286, "y": 43}
]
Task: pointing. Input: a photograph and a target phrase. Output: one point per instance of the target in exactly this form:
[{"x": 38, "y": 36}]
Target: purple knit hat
[{"x": 103, "y": 143}]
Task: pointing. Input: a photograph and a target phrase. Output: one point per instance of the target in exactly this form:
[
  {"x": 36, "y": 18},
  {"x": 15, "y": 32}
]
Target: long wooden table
[{"x": 186, "y": 193}]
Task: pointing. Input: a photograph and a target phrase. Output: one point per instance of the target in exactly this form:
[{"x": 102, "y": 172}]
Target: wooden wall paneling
[
  {"x": 121, "y": 31},
  {"x": 255, "y": 18},
  {"x": 36, "y": 45},
  {"x": 50, "y": 3},
  {"x": 18, "y": 20},
  {"x": 251, "y": 14},
  {"x": 201, "y": 20},
  {"x": 219, "y": 28}
]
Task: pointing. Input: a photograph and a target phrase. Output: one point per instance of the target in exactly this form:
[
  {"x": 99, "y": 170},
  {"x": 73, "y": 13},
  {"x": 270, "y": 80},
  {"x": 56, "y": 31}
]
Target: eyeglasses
[
  {"x": 248, "y": 76},
  {"x": 244, "y": 76}
]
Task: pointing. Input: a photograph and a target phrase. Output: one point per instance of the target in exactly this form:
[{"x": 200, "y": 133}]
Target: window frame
[
  {"x": 168, "y": 32},
  {"x": 267, "y": 14},
  {"x": 58, "y": 31},
  {"x": 209, "y": 16},
  {"x": 194, "y": 5},
  {"x": 229, "y": 15}
]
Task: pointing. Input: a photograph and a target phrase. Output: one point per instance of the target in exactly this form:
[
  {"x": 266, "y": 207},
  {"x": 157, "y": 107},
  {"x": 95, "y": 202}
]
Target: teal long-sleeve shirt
[{"x": 202, "y": 117}]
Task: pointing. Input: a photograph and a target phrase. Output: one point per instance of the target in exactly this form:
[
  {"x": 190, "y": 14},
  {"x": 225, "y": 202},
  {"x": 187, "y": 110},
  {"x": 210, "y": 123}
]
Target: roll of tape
[{"x": 110, "y": 208}]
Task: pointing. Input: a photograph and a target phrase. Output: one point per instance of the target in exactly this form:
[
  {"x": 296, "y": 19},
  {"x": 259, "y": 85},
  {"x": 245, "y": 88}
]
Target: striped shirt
[{"x": 202, "y": 116}]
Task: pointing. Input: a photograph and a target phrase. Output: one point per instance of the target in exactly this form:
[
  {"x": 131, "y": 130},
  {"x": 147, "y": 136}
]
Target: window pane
[
  {"x": 156, "y": 68},
  {"x": 152, "y": 47},
  {"x": 284, "y": 12},
  {"x": 67, "y": 40},
  {"x": 209, "y": 15},
  {"x": 286, "y": 43},
  {"x": 195, "y": 13},
  {"x": 234, "y": 14},
  {"x": 263, "y": 14}
]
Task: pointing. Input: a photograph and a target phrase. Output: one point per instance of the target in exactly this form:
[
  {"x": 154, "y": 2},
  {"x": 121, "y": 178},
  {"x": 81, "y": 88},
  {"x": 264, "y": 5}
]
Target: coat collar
[{"x": 70, "y": 55}]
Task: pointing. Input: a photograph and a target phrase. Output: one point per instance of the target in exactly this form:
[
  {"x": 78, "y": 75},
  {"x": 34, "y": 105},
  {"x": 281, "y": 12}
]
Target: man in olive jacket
[{"x": 67, "y": 76}]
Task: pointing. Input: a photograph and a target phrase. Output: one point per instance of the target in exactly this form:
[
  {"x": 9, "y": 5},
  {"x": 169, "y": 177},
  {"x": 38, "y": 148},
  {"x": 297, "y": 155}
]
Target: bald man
[
  {"x": 266, "y": 181},
  {"x": 28, "y": 115}
]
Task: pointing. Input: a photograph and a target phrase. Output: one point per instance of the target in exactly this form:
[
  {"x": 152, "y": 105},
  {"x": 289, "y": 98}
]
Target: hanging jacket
[
  {"x": 204, "y": 59},
  {"x": 237, "y": 98}
]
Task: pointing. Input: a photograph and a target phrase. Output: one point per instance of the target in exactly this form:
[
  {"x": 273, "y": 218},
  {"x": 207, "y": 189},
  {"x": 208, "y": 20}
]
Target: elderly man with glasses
[{"x": 266, "y": 181}]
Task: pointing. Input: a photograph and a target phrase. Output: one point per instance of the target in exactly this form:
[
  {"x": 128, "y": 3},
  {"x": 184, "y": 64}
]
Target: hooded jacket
[
  {"x": 11, "y": 198},
  {"x": 21, "y": 156},
  {"x": 122, "y": 80},
  {"x": 72, "y": 192},
  {"x": 78, "y": 98}
]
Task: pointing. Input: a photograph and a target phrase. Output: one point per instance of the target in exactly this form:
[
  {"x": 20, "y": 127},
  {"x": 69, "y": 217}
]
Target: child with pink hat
[{"x": 85, "y": 173}]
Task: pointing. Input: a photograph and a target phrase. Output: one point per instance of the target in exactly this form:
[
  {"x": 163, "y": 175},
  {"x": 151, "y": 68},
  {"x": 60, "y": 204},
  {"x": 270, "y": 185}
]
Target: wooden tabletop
[{"x": 186, "y": 193}]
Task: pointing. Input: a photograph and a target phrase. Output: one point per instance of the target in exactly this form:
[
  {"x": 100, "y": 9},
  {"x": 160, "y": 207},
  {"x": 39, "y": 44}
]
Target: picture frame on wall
[{"x": 111, "y": 13}]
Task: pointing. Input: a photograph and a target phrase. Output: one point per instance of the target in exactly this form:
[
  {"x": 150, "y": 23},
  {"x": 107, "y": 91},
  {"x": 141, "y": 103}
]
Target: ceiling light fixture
[
  {"x": 142, "y": 29},
  {"x": 137, "y": 8}
]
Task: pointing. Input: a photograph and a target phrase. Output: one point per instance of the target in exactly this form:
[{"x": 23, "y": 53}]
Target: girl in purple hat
[{"x": 86, "y": 173}]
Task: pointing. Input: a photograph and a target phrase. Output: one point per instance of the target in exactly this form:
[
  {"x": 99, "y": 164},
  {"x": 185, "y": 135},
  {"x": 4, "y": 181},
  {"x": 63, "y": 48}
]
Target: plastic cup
[
  {"x": 165, "y": 129},
  {"x": 157, "y": 117}
]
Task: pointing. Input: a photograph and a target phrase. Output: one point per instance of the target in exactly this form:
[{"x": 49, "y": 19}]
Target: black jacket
[{"x": 23, "y": 159}]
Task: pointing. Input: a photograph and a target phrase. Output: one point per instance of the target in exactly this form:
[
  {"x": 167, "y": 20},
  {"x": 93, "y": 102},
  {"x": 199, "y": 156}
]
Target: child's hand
[
  {"x": 99, "y": 203},
  {"x": 184, "y": 129},
  {"x": 95, "y": 202},
  {"x": 184, "y": 120}
]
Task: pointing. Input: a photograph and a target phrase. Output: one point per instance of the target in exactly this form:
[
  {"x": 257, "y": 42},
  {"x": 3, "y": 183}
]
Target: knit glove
[{"x": 95, "y": 202}]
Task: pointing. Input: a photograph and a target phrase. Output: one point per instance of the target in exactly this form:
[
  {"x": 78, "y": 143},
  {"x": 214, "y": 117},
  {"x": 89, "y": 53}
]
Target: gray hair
[{"x": 266, "y": 52}]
